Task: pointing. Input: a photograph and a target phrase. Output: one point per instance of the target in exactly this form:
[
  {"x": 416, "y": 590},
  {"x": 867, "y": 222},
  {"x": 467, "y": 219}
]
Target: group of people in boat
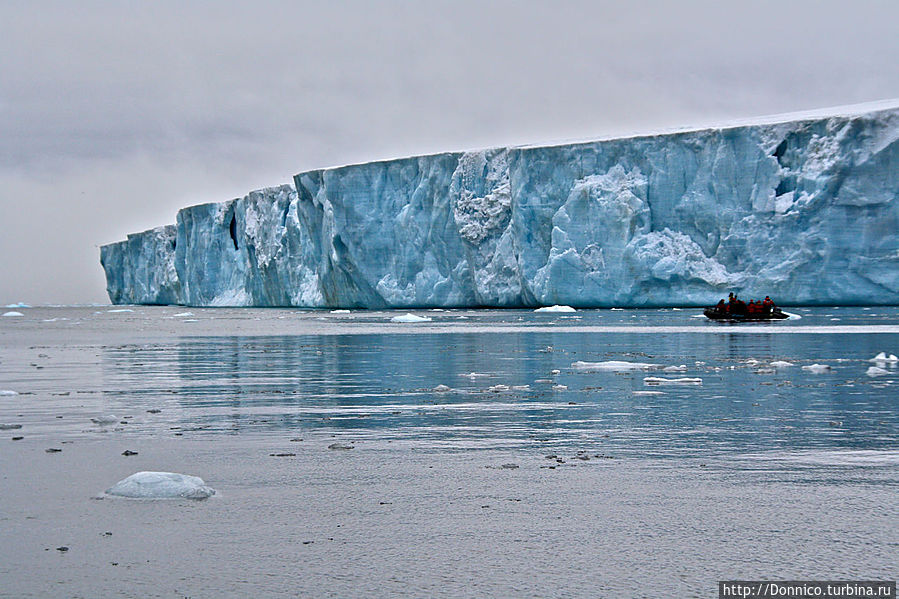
[{"x": 738, "y": 307}]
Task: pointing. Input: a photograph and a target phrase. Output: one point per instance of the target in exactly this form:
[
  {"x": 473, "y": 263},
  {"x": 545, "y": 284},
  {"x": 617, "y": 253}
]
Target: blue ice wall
[{"x": 804, "y": 210}]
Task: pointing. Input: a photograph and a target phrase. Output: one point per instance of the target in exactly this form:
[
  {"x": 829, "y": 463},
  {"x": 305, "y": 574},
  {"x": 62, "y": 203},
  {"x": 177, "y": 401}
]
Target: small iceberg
[
  {"x": 118, "y": 310},
  {"x": 182, "y": 314},
  {"x": 681, "y": 368},
  {"x": 875, "y": 371},
  {"x": 781, "y": 364},
  {"x": 410, "y": 318},
  {"x": 18, "y": 305},
  {"x": 883, "y": 357},
  {"x": 555, "y": 309},
  {"x": 658, "y": 380},
  {"x": 8, "y": 392},
  {"x": 817, "y": 368},
  {"x": 612, "y": 366},
  {"x": 442, "y": 389},
  {"x": 340, "y": 311},
  {"x": 105, "y": 419},
  {"x": 13, "y": 313},
  {"x": 161, "y": 485}
]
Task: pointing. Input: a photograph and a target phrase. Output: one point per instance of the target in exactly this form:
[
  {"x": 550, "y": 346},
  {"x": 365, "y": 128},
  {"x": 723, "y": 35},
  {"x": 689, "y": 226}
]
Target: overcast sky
[{"x": 113, "y": 115}]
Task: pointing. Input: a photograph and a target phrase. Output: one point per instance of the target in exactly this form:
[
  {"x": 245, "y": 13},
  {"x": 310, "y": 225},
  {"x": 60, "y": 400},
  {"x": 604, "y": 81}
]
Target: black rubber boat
[{"x": 775, "y": 314}]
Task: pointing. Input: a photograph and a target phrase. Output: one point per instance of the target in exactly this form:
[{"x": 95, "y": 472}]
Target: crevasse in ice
[{"x": 802, "y": 209}]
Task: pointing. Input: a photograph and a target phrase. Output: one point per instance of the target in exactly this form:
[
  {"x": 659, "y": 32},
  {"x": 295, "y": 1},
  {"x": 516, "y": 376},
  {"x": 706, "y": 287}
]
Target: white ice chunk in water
[
  {"x": 410, "y": 318},
  {"x": 555, "y": 309},
  {"x": 8, "y": 392},
  {"x": 475, "y": 375},
  {"x": 612, "y": 366},
  {"x": 817, "y": 368},
  {"x": 117, "y": 310},
  {"x": 681, "y": 368},
  {"x": 442, "y": 389},
  {"x": 657, "y": 380},
  {"x": 182, "y": 314},
  {"x": 781, "y": 364},
  {"x": 883, "y": 357},
  {"x": 340, "y": 311},
  {"x": 161, "y": 485},
  {"x": 13, "y": 313},
  {"x": 875, "y": 371},
  {"x": 105, "y": 419},
  {"x": 18, "y": 305}
]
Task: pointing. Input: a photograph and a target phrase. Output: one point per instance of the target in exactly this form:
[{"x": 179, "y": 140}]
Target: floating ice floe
[
  {"x": 876, "y": 371},
  {"x": 781, "y": 364},
  {"x": 161, "y": 485},
  {"x": 613, "y": 366},
  {"x": 442, "y": 389},
  {"x": 8, "y": 392},
  {"x": 13, "y": 313},
  {"x": 182, "y": 314},
  {"x": 410, "y": 318},
  {"x": 560, "y": 387},
  {"x": 555, "y": 309},
  {"x": 883, "y": 357},
  {"x": 118, "y": 310},
  {"x": 681, "y": 368},
  {"x": 340, "y": 311},
  {"x": 498, "y": 388},
  {"x": 817, "y": 368},
  {"x": 475, "y": 375},
  {"x": 9, "y": 427},
  {"x": 104, "y": 419},
  {"x": 18, "y": 305},
  {"x": 658, "y": 380}
]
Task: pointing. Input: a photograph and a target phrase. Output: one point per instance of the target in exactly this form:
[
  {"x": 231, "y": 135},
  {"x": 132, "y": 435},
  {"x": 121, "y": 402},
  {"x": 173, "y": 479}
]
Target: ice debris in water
[
  {"x": 340, "y": 311},
  {"x": 555, "y": 309},
  {"x": 441, "y": 389},
  {"x": 18, "y": 305},
  {"x": 118, "y": 310},
  {"x": 8, "y": 392},
  {"x": 410, "y": 318},
  {"x": 883, "y": 357},
  {"x": 657, "y": 380},
  {"x": 104, "y": 419},
  {"x": 13, "y": 313},
  {"x": 612, "y": 366},
  {"x": 182, "y": 314},
  {"x": 781, "y": 364},
  {"x": 161, "y": 485},
  {"x": 681, "y": 368},
  {"x": 875, "y": 371},
  {"x": 817, "y": 368}
]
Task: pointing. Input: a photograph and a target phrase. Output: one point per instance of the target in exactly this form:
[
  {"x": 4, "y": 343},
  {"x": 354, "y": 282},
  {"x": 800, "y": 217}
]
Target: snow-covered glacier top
[{"x": 803, "y": 208}]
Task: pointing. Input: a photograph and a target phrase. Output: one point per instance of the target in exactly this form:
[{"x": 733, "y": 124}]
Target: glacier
[{"x": 801, "y": 208}]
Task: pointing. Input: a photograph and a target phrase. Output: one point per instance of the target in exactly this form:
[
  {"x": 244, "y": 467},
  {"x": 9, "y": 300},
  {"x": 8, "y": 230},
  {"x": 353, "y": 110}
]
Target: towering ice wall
[{"x": 806, "y": 210}]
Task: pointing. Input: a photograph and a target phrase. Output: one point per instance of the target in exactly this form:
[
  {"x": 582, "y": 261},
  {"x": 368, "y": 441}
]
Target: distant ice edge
[{"x": 804, "y": 210}]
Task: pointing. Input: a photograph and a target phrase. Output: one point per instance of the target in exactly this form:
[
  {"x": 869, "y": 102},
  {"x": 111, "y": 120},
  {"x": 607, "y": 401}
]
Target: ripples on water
[{"x": 507, "y": 388}]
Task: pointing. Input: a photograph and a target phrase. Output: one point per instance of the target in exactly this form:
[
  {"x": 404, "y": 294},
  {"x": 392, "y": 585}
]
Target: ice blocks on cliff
[{"x": 805, "y": 210}]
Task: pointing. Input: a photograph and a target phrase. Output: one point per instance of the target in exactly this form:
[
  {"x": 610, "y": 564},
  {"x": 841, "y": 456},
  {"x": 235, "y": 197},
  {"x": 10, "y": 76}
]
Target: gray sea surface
[{"x": 499, "y": 453}]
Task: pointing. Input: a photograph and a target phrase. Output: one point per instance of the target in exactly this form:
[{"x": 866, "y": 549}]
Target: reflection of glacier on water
[{"x": 417, "y": 389}]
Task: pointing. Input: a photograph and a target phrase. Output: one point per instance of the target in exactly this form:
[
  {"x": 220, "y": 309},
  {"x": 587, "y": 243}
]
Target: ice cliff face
[{"x": 805, "y": 210}]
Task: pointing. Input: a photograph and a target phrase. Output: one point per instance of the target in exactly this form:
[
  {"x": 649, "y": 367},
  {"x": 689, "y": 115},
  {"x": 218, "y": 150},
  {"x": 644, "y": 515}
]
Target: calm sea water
[
  {"x": 513, "y": 382},
  {"x": 616, "y": 485}
]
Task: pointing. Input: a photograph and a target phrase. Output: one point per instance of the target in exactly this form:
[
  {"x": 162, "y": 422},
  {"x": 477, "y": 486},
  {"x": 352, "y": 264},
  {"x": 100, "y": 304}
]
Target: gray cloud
[{"x": 114, "y": 114}]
